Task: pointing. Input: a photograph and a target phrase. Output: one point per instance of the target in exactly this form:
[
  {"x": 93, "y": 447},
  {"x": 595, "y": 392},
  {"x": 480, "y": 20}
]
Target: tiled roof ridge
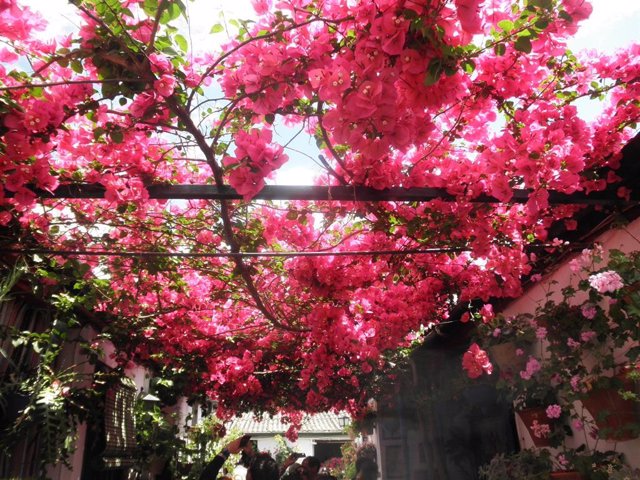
[{"x": 324, "y": 422}]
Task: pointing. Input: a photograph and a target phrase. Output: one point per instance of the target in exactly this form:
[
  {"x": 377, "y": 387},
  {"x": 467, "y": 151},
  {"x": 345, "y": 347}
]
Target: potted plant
[
  {"x": 525, "y": 465},
  {"x": 566, "y": 475},
  {"x": 507, "y": 338},
  {"x": 592, "y": 339},
  {"x": 534, "y": 392},
  {"x": 593, "y": 464},
  {"x": 613, "y": 405},
  {"x": 590, "y": 354},
  {"x": 625, "y": 473}
]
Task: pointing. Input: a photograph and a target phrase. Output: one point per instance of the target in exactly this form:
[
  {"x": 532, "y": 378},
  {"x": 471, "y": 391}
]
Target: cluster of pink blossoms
[
  {"x": 394, "y": 92},
  {"x": 255, "y": 158},
  {"x": 554, "y": 411},
  {"x": 476, "y": 362},
  {"x": 533, "y": 366},
  {"x": 604, "y": 282},
  {"x": 540, "y": 430}
]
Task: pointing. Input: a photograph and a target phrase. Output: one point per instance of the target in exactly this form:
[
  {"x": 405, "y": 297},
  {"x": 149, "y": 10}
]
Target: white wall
[
  {"x": 269, "y": 444},
  {"x": 72, "y": 356},
  {"x": 75, "y": 357}
]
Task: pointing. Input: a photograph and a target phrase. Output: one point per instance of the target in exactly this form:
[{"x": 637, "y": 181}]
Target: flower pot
[
  {"x": 615, "y": 417},
  {"x": 565, "y": 476},
  {"x": 505, "y": 357},
  {"x": 531, "y": 417}
]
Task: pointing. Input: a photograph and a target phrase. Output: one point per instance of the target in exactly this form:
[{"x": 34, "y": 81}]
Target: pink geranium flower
[
  {"x": 540, "y": 430},
  {"x": 554, "y": 411},
  {"x": 604, "y": 282},
  {"x": 533, "y": 366},
  {"x": 589, "y": 311}
]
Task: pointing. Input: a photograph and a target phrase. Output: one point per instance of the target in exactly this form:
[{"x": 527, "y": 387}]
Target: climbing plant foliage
[{"x": 474, "y": 97}]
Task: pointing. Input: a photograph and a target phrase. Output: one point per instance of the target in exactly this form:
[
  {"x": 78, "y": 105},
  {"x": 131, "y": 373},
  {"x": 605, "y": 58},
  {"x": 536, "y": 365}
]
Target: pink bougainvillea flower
[
  {"x": 5, "y": 218},
  {"x": 487, "y": 312},
  {"x": 476, "y": 362},
  {"x": 469, "y": 15},
  {"x": 165, "y": 85},
  {"x": 246, "y": 182},
  {"x": 160, "y": 64},
  {"x": 261, "y": 7},
  {"x": 386, "y": 106}
]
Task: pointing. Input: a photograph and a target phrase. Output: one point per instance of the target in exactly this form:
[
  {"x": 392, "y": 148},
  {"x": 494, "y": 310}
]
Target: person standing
[
  {"x": 311, "y": 466},
  {"x": 259, "y": 466}
]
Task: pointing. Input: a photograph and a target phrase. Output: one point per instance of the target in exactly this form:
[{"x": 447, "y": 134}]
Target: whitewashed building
[{"x": 321, "y": 435}]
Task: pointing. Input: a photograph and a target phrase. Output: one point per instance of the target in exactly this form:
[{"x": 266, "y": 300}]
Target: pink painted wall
[{"x": 626, "y": 239}]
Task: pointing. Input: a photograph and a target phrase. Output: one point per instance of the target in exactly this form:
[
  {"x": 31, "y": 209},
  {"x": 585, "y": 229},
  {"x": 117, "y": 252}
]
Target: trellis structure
[{"x": 335, "y": 193}]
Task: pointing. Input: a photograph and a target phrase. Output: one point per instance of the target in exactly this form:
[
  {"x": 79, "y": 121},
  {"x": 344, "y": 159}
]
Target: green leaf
[
  {"x": 150, "y": 7},
  {"x": 181, "y": 42},
  {"x": 468, "y": 66},
  {"x": 169, "y": 51},
  {"x": 450, "y": 70},
  {"x": 434, "y": 72},
  {"x": 171, "y": 12},
  {"x": 76, "y": 66},
  {"x": 531, "y": 33},
  {"x": 97, "y": 133},
  {"x": 500, "y": 49},
  {"x": 633, "y": 353},
  {"x": 565, "y": 16},
  {"x": 110, "y": 90},
  {"x": 217, "y": 28},
  {"x": 523, "y": 44},
  {"x": 269, "y": 118},
  {"x": 542, "y": 23},
  {"x": 116, "y": 136},
  {"x": 506, "y": 25},
  {"x": 546, "y": 4}
]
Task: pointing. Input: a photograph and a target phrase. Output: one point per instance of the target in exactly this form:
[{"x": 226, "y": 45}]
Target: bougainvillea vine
[{"x": 477, "y": 97}]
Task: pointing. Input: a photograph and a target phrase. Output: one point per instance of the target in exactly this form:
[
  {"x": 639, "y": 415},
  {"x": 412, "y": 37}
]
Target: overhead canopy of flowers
[{"x": 474, "y": 97}]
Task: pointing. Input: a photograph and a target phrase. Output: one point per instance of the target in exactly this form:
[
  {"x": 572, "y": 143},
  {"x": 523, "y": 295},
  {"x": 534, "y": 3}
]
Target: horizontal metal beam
[
  {"x": 324, "y": 253},
  {"x": 331, "y": 193}
]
